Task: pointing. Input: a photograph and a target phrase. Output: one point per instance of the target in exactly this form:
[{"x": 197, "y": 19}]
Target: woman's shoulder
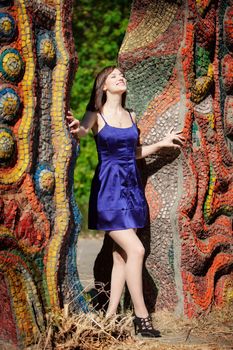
[
  {"x": 133, "y": 114},
  {"x": 90, "y": 115},
  {"x": 88, "y": 111}
]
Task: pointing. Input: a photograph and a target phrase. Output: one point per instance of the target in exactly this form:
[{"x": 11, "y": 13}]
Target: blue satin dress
[{"x": 117, "y": 199}]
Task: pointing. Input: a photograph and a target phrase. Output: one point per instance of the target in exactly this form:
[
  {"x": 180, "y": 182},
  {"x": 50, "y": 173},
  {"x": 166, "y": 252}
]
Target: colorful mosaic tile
[
  {"x": 46, "y": 49},
  {"x": 9, "y": 105},
  {"x": 177, "y": 56},
  {"x": 44, "y": 178},
  {"x": 7, "y": 144},
  {"x": 189, "y": 236},
  {"x": 39, "y": 219},
  {"x": 11, "y": 64},
  {"x": 7, "y": 27}
]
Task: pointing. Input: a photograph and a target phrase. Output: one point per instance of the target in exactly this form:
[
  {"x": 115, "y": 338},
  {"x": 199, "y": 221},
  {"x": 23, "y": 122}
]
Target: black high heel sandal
[{"x": 144, "y": 327}]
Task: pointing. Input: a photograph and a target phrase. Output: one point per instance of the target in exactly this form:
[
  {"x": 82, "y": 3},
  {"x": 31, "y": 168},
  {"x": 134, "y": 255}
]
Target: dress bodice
[{"x": 115, "y": 143}]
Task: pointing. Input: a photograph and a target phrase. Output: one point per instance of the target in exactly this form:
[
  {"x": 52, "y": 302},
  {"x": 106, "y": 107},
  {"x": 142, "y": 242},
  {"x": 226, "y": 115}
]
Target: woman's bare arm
[
  {"x": 81, "y": 128},
  {"x": 171, "y": 142}
]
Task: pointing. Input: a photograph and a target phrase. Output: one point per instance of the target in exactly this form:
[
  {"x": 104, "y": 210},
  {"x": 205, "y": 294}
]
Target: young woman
[{"x": 117, "y": 202}]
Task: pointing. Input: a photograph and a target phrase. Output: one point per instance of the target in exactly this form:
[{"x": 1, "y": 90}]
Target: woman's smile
[{"x": 121, "y": 82}]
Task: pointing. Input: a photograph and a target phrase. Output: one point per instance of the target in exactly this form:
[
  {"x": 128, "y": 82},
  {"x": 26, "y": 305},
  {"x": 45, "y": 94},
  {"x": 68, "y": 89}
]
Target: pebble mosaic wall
[
  {"x": 178, "y": 60},
  {"x": 39, "y": 220}
]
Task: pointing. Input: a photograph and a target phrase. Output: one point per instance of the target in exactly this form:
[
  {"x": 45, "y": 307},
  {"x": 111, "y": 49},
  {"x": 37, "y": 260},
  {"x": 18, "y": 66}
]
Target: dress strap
[
  {"x": 131, "y": 117},
  {"x": 103, "y": 118}
]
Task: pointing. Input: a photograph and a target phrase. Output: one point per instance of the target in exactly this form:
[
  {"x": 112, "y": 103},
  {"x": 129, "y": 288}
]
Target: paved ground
[{"x": 88, "y": 248}]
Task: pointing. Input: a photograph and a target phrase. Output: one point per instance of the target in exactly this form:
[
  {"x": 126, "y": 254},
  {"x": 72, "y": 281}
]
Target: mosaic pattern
[
  {"x": 9, "y": 105},
  {"x": 46, "y": 48},
  {"x": 6, "y": 144},
  {"x": 44, "y": 179},
  {"x": 160, "y": 110},
  {"x": 39, "y": 219},
  {"x": 11, "y": 65},
  {"x": 7, "y": 27},
  {"x": 178, "y": 61}
]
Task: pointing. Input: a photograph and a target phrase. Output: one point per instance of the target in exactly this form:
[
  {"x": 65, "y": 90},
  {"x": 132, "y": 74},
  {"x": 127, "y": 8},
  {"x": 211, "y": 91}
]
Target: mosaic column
[
  {"x": 39, "y": 219},
  {"x": 178, "y": 61}
]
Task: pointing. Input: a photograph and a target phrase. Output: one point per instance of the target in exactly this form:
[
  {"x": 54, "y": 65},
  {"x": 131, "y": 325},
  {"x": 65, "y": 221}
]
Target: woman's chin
[{"x": 120, "y": 89}]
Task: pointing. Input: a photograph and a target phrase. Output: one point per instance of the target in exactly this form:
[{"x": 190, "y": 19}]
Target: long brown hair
[{"x": 98, "y": 95}]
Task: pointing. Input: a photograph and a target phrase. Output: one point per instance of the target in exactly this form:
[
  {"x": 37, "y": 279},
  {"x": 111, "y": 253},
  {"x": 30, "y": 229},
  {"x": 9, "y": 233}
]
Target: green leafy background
[{"x": 99, "y": 29}]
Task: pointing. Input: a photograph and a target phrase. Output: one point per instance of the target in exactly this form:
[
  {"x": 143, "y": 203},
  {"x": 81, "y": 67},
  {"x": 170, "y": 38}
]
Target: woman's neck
[{"x": 113, "y": 103}]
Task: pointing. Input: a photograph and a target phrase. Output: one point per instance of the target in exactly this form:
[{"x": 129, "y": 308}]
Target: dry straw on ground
[{"x": 93, "y": 332}]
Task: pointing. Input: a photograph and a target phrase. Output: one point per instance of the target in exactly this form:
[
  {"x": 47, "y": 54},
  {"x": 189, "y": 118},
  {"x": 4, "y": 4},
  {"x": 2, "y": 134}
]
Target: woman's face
[{"x": 115, "y": 82}]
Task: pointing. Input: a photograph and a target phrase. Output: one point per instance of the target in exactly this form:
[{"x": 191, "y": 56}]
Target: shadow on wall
[{"x": 104, "y": 262}]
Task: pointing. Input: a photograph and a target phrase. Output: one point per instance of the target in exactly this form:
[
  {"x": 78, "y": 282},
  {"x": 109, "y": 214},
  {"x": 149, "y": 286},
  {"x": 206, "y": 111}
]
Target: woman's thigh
[{"x": 127, "y": 240}]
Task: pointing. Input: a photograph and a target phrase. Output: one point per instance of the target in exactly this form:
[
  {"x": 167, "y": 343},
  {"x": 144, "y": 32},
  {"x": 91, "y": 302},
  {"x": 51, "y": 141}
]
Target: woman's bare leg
[
  {"x": 133, "y": 247},
  {"x": 117, "y": 279}
]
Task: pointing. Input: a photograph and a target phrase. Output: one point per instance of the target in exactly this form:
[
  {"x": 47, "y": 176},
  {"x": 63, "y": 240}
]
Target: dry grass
[
  {"x": 86, "y": 332},
  {"x": 93, "y": 332}
]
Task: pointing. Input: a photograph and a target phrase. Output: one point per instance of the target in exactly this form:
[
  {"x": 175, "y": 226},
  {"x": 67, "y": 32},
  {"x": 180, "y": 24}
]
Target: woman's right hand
[{"x": 74, "y": 125}]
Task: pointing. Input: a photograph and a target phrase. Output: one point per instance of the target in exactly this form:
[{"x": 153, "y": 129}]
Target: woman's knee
[
  {"x": 140, "y": 250},
  {"x": 136, "y": 251},
  {"x": 128, "y": 242}
]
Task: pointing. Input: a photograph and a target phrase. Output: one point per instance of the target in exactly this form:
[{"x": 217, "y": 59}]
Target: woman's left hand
[
  {"x": 172, "y": 141},
  {"x": 74, "y": 125}
]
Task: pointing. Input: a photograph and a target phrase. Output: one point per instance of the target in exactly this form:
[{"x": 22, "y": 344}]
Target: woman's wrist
[{"x": 158, "y": 146}]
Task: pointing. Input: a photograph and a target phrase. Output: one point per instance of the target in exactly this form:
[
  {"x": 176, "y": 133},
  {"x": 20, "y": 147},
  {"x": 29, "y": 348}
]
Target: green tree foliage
[{"x": 99, "y": 29}]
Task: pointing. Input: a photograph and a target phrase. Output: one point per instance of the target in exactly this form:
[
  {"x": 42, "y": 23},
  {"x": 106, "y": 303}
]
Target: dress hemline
[
  {"x": 115, "y": 229},
  {"x": 126, "y": 221}
]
